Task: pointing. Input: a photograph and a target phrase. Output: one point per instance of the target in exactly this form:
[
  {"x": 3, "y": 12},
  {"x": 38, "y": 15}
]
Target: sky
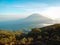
[{"x": 17, "y": 9}]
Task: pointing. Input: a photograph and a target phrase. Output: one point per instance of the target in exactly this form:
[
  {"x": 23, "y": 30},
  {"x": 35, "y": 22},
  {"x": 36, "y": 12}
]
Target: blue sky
[{"x": 16, "y": 9}]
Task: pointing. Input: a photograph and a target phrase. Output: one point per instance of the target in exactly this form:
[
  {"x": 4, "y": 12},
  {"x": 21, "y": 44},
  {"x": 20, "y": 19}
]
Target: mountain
[
  {"x": 38, "y": 18},
  {"x": 32, "y": 21}
]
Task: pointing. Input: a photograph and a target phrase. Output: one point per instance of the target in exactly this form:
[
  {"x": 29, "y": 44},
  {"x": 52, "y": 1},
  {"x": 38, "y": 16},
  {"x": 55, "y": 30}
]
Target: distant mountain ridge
[
  {"x": 38, "y": 17},
  {"x": 34, "y": 20}
]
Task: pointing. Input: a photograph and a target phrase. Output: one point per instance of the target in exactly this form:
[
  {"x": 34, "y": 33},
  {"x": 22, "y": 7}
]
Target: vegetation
[{"x": 49, "y": 35}]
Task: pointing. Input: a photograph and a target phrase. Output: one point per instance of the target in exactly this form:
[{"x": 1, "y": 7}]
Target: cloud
[
  {"x": 52, "y": 12},
  {"x": 30, "y": 5}
]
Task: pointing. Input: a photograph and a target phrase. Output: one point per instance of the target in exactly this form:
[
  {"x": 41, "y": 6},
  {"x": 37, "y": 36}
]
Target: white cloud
[
  {"x": 52, "y": 12},
  {"x": 30, "y": 5}
]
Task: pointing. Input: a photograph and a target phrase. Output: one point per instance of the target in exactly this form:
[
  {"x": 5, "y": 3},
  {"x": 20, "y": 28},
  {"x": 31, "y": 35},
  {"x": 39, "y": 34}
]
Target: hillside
[{"x": 49, "y": 35}]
